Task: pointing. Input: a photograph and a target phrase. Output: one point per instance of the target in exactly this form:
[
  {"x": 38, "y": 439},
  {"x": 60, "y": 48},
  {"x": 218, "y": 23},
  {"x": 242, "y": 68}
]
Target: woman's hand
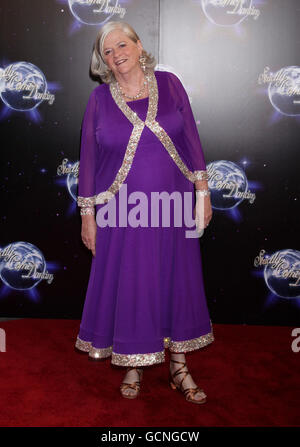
[
  {"x": 202, "y": 211},
  {"x": 88, "y": 232}
]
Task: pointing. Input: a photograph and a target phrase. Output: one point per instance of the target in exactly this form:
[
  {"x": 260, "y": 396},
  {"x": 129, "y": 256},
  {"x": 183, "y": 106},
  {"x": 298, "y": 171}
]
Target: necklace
[{"x": 137, "y": 95}]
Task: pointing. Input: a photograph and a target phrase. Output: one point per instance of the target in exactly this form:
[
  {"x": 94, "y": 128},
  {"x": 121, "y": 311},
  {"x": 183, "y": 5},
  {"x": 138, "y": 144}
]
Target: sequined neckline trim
[
  {"x": 137, "y": 100},
  {"x": 152, "y": 103}
]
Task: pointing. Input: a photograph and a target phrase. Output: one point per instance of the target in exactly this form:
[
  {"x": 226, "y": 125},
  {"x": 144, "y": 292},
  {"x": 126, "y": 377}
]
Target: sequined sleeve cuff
[
  {"x": 87, "y": 205},
  {"x": 200, "y": 175},
  {"x": 86, "y": 201},
  {"x": 87, "y": 210}
]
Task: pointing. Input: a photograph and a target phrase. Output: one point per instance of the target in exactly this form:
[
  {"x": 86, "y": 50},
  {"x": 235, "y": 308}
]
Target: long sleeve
[
  {"x": 191, "y": 137},
  {"x": 88, "y": 156}
]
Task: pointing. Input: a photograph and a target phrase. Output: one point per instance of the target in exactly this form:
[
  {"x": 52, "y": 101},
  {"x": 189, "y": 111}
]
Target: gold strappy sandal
[
  {"x": 189, "y": 393},
  {"x": 135, "y": 385}
]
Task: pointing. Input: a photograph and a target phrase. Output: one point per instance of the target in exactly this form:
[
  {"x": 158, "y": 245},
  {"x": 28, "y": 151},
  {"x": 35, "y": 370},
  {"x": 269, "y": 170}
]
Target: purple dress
[{"x": 145, "y": 291}]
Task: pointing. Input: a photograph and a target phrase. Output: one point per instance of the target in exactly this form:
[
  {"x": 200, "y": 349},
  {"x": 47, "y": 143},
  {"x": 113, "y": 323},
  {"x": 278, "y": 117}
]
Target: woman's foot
[
  {"x": 130, "y": 387},
  {"x": 183, "y": 380}
]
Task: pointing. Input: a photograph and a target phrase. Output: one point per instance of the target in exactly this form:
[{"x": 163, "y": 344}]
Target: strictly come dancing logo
[
  {"x": 23, "y": 87},
  {"x": 23, "y": 267},
  {"x": 68, "y": 172},
  {"x": 281, "y": 272},
  {"x": 283, "y": 89},
  {"x": 228, "y": 185},
  {"x": 96, "y": 12},
  {"x": 229, "y": 12}
]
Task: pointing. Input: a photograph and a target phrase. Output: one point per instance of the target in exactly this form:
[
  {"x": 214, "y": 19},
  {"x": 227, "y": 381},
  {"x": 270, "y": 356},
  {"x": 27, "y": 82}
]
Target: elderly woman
[{"x": 145, "y": 291}]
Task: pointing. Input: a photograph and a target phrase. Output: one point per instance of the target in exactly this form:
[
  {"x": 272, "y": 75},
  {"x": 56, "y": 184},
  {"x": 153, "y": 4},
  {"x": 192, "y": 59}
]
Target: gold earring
[{"x": 142, "y": 61}]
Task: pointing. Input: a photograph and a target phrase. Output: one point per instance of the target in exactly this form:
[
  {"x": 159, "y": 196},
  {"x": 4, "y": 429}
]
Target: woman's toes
[
  {"x": 200, "y": 395},
  {"x": 127, "y": 391}
]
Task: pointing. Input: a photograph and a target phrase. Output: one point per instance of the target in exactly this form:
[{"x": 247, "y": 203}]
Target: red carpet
[{"x": 249, "y": 373}]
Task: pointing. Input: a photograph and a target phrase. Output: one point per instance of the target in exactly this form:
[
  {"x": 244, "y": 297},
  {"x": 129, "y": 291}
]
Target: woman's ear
[{"x": 140, "y": 46}]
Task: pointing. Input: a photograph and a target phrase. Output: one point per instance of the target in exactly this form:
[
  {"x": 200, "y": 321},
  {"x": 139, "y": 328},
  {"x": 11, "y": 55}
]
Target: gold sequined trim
[
  {"x": 201, "y": 175},
  {"x": 138, "y": 126},
  {"x": 97, "y": 353},
  {"x": 138, "y": 359},
  {"x": 82, "y": 345},
  {"x": 87, "y": 210},
  {"x": 148, "y": 358},
  {"x": 86, "y": 201},
  {"x": 191, "y": 345}
]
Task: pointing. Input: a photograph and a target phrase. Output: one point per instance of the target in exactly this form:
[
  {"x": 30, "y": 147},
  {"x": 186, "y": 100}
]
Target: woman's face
[{"x": 120, "y": 53}]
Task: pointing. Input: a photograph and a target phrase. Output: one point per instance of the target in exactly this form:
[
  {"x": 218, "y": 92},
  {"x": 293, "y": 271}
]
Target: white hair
[{"x": 98, "y": 66}]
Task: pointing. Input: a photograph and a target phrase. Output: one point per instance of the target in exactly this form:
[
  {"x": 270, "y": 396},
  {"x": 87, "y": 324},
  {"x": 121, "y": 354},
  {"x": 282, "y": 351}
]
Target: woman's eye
[{"x": 121, "y": 45}]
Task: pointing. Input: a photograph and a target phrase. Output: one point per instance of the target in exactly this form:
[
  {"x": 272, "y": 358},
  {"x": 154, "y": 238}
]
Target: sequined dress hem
[{"x": 145, "y": 359}]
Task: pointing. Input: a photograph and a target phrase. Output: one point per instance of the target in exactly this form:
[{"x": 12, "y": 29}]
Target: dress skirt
[{"x": 146, "y": 291}]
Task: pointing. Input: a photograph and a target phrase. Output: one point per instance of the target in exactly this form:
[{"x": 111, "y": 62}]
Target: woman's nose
[{"x": 117, "y": 54}]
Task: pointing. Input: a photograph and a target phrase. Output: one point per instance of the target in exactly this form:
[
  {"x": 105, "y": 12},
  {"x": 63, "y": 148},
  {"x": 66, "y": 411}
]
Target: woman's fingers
[
  {"x": 203, "y": 211},
  {"x": 93, "y": 250},
  {"x": 91, "y": 245},
  {"x": 88, "y": 235}
]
